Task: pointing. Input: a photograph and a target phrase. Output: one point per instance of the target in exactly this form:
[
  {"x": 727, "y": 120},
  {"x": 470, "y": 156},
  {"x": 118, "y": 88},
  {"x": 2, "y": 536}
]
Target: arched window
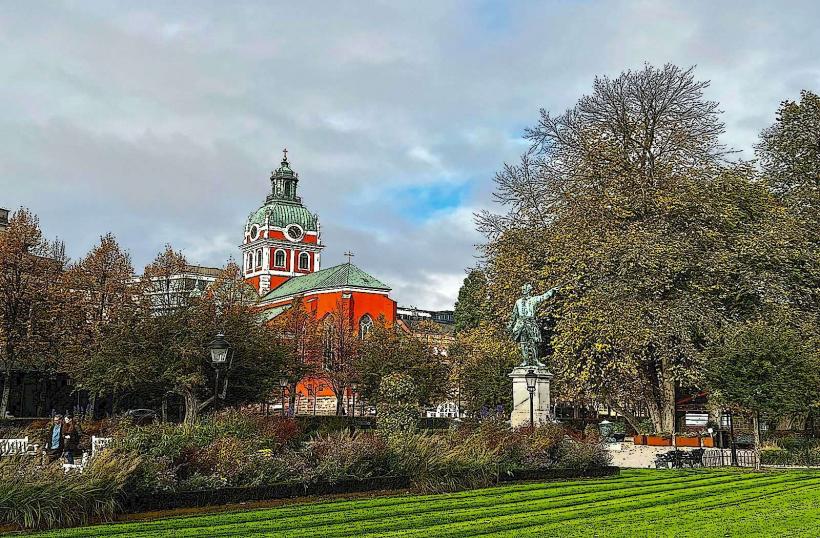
[
  {"x": 259, "y": 259},
  {"x": 279, "y": 258},
  {"x": 365, "y": 324},
  {"x": 304, "y": 261},
  {"x": 248, "y": 264},
  {"x": 328, "y": 341}
]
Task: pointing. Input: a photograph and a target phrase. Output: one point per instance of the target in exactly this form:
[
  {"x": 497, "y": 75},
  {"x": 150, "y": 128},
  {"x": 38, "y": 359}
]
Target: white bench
[
  {"x": 98, "y": 444},
  {"x": 14, "y": 447}
]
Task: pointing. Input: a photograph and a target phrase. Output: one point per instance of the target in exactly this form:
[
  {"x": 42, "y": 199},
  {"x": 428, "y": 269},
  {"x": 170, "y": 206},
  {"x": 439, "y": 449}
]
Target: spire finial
[
  {"x": 285, "y": 155},
  {"x": 349, "y": 255}
]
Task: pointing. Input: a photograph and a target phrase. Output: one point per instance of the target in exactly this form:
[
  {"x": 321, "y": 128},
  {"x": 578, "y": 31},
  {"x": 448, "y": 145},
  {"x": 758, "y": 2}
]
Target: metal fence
[{"x": 723, "y": 458}]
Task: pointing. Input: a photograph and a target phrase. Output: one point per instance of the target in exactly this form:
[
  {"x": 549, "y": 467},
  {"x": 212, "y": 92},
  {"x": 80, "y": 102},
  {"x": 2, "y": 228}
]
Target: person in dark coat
[
  {"x": 54, "y": 439},
  {"x": 71, "y": 438}
]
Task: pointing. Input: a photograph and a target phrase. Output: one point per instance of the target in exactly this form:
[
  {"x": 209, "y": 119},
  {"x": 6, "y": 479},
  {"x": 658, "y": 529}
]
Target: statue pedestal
[{"x": 521, "y": 397}]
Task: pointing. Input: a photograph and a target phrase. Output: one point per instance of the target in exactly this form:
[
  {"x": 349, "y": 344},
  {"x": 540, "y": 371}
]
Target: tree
[
  {"x": 767, "y": 369},
  {"x": 296, "y": 333},
  {"x": 789, "y": 153},
  {"x": 627, "y": 203},
  {"x": 30, "y": 269},
  {"x": 484, "y": 356},
  {"x": 182, "y": 335},
  {"x": 340, "y": 348},
  {"x": 386, "y": 351},
  {"x": 469, "y": 309},
  {"x": 102, "y": 287}
]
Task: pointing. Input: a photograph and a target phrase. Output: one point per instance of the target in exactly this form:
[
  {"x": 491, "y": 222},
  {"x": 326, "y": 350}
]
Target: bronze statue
[{"x": 524, "y": 327}]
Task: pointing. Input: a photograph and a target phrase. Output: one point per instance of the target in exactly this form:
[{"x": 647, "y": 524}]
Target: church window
[
  {"x": 365, "y": 324},
  {"x": 259, "y": 259},
  {"x": 279, "y": 258},
  {"x": 328, "y": 341},
  {"x": 304, "y": 261},
  {"x": 248, "y": 264}
]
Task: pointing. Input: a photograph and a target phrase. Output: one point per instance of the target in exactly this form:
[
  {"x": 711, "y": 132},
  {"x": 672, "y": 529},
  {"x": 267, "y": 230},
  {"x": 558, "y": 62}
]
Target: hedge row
[{"x": 194, "y": 499}]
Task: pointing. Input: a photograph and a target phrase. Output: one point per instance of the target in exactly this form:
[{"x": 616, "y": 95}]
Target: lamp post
[
  {"x": 221, "y": 354},
  {"x": 531, "y": 379},
  {"x": 353, "y": 388},
  {"x": 283, "y": 382}
]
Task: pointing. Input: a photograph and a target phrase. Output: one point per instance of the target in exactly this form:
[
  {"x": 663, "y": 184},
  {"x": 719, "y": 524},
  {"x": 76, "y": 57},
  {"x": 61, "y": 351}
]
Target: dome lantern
[{"x": 283, "y": 181}]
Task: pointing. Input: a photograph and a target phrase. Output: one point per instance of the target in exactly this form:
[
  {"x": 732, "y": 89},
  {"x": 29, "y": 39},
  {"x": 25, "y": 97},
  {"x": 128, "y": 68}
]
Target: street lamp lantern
[
  {"x": 220, "y": 350},
  {"x": 531, "y": 378}
]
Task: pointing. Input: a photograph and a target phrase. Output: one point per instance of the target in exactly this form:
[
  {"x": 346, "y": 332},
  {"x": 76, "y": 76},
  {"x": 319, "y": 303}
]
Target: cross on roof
[
  {"x": 285, "y": 152},
  {"x": 349, "y": 255}
]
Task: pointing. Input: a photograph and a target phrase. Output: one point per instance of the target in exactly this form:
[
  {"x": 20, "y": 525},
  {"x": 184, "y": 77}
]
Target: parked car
[{"x": 141, "y": 417}]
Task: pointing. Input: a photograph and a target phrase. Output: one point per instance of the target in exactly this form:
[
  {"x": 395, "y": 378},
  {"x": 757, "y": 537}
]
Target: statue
[{"x": 524, "y": 327}]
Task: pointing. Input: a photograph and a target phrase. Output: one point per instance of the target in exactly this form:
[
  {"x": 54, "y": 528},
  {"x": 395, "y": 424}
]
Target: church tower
[{"x": 282, "y": 238}]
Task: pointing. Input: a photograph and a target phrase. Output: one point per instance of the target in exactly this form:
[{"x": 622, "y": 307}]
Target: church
[{"x": 282, "y": 259}]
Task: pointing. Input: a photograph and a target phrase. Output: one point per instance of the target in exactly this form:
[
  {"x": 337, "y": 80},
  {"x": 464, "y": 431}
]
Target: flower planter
[
  {"x": 656, "y": 440},
  {"x": 687, "y": 441}
]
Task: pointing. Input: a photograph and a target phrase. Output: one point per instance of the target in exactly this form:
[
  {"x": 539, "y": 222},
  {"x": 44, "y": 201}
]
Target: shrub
[
  {"x": 344, "y": 455},
  {"x": 775, "y": 455},
  {"x": 438, "y": 463},
  {"x": 396, "y": 404},
  {"x": 582, "y": 456},
  {"x": 43, "y": 497}
]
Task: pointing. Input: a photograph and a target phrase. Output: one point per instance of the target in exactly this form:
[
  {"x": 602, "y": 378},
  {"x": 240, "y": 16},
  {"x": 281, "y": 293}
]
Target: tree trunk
[
  {"x": 292, "y": 399},
  {"x": 660, "y": 398},
  {"x": 43, "y": 385},
  {"x": 628, "y": 416},
  {"x": 340, "y": 402},
  {"x": 165, "y": 408},
  {"x": 191, "y": 407},
  {"x": 93, "y": 405},
  {"x": 756, "y": 428},
  {"x": 4, "y": 402}
]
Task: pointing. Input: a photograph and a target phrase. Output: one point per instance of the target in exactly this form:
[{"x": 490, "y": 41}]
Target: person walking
[
  {"x": 71, "y": 438},
  {"x": 54, "y": 439}
]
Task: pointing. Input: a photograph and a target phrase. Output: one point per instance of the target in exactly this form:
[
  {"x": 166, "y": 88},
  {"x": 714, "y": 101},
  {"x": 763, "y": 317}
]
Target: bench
[{"x": 15, "y": 447}]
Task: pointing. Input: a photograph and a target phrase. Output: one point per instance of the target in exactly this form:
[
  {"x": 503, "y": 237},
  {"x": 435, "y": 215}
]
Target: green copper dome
[
  {"x": 282, "y": 206},
  {"x": 282, "y": 213}
]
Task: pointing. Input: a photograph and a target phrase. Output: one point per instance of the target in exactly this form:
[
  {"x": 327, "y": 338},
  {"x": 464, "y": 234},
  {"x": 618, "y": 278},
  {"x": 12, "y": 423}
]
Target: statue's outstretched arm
[{"x": 541, "y": 298}]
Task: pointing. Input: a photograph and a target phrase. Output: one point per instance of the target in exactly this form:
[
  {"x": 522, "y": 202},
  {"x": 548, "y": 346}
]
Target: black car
[{"x": 141, "y": 417}]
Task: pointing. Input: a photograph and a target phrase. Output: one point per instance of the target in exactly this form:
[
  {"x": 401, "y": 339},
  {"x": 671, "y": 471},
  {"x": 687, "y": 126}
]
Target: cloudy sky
[{"x": 161, "y": 121}]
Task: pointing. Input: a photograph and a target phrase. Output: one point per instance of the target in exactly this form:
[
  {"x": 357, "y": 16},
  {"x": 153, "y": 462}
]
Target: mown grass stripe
[
  {"x": 401, "y": 503},
  {"x": 541, "y": 513},
  {"x": 360, "y": 517},
  {"x": 361, "y": 526},
  {"x": 630, "y": 516}
]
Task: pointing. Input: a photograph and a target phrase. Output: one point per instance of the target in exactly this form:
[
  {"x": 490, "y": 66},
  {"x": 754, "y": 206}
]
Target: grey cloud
[{"x": 161, "y": 121}]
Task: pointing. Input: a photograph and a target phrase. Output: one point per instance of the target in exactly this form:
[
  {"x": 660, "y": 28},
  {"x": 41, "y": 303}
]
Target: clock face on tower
[{"x": 294, "y": 232}]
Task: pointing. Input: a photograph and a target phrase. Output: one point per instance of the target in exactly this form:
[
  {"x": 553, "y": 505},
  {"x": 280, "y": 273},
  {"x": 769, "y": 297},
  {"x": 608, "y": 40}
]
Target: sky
[{"x": 161, "y": 121}]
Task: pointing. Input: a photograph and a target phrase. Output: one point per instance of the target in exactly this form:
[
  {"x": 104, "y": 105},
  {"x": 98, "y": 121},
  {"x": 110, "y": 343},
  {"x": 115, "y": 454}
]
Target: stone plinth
[{"x": 521, "y": 397}]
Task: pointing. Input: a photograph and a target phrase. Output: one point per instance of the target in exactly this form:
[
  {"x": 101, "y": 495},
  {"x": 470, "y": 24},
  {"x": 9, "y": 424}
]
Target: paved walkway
[{"x": 628, "y": 455}]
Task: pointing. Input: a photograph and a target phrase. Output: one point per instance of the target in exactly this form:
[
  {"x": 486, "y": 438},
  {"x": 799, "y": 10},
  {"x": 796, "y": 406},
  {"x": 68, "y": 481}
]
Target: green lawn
[{"x": 637, "y": 503}]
